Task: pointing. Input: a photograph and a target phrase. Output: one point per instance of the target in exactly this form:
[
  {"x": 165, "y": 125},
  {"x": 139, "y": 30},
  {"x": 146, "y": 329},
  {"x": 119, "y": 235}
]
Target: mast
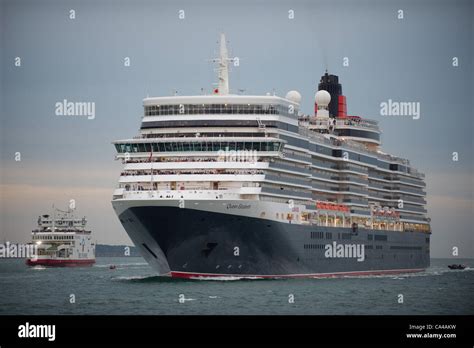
[{"x": 223, "y": 69}]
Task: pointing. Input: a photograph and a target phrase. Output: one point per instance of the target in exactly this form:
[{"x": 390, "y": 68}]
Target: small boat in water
[
  {"x": 454, "y": 266},
  {"x": 62, "y": 240}
]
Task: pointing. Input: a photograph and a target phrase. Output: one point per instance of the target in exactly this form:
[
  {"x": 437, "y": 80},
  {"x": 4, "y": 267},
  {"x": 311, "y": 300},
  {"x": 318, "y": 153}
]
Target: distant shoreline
[{"x": 105, "y": 250}]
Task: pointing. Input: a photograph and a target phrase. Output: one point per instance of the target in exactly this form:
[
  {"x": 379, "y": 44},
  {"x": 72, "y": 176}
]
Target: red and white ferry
[{"x": 62, "y": 240}]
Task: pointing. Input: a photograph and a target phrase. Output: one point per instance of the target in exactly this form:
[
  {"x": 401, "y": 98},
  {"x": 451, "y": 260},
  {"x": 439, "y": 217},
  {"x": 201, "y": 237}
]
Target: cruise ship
[
  {"x": 62, "y": 239},
  {"x": 248, "y": 186}
]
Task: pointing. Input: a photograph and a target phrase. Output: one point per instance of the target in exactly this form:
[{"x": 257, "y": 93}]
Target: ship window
[
  {"x": 198, "y": 146},
  {"x": 192, "y": 109}
]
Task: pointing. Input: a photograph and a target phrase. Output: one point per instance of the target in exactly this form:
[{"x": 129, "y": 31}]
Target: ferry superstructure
[
  {"x": 62, "y": 240},
  {"x": 240, "y": 185}
]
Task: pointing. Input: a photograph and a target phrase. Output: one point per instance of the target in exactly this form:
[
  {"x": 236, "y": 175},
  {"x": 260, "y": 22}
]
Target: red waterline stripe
[{"x": 188, "y": 275}]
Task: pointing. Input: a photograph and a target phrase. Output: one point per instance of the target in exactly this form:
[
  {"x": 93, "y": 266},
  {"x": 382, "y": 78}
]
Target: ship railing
[
  {"x": 393, "y": 158},
  {"x": 357, "y": 123},
  {"x": 198, "y": 135},
  {"x": 212, "y": 158},
  {"x": 414, "y": 172},
  {"x": 357, "y": 146},
  {"x": 59, "y": 230},
  {"x": 315, "y": 136},
  {"x": 196, "y": 194},
  {"x": 367, "y": 120},
  {"x": 191, "y": 172},
  {"x": 347, "y": 121},
  {"x": 180, "y": 136}
]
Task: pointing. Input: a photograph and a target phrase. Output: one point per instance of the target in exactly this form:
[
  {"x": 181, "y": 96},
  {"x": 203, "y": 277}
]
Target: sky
[{"x": 407, "y": 59}]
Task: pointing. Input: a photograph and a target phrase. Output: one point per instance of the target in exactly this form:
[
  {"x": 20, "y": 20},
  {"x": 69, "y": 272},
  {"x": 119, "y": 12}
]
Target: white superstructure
[{"x": 62, "y": 240}]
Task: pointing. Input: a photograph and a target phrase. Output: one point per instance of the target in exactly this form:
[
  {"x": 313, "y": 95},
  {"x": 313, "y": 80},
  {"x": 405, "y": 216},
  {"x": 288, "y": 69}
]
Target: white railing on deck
[{"x": 225, "y": 194}]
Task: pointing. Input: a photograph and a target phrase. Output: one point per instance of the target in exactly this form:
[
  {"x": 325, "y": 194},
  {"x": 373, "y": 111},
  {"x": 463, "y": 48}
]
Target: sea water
[{"x": 133, "y": 288}]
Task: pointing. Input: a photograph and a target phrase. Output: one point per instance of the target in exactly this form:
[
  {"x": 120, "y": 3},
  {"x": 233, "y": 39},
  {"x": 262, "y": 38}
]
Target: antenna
[{"x": 223, "y": 67}]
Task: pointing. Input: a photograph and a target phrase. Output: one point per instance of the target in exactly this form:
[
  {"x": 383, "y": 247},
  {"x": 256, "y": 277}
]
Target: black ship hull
[{"x": 195, "y": 243}]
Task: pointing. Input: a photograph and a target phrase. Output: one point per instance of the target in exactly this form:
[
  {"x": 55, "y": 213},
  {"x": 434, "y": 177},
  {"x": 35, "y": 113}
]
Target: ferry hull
[
  {"x": 60, "y": 263},
  {"x": 186, "y": 243}
]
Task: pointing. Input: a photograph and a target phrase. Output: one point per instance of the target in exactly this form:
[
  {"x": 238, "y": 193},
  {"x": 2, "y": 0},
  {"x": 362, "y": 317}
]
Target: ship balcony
[
  {"x": 413, "y": 209},
  {"x": 398, "y": 179},
  {"x": 416, "y": 191},
  {"x": 287, "y": 192},
  {"x": 350, "y": 190},
  {"x": 287, "y": 180},
  {"x": 417, "y": 218},
  {"x": 395, "y": 197},
  {"x": 289, "y": 168},
  {"x": 355, "y": 201},
  {"x": 397, "y": 190},
  {"x": 320, "y": 164},
  {"x": 414, "y": 181},
  {"x": 347, "y": 167},
  {"x": 339, "y": 179},
  {"x": 410, "y": 199},
  {"x": 296, "y": 157}
]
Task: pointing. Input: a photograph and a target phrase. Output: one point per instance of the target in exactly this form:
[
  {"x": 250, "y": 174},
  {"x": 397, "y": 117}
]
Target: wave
[
  {"x": 39, "y": 268},
  {"x": 430, "y": 272},
  {"x": 226, "y": 278},
  {"x": 186, "y": 299},
  {"x": 166, "y": 279},
  {"x": 150, "y": 278},
  {"x": 136, "y": 278}
]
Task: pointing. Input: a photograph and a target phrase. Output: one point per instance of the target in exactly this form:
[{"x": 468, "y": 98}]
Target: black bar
[{"x": 221, "y": 330}]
